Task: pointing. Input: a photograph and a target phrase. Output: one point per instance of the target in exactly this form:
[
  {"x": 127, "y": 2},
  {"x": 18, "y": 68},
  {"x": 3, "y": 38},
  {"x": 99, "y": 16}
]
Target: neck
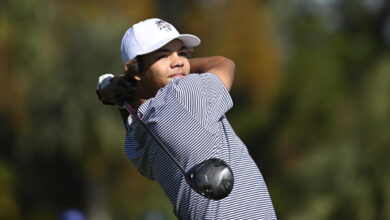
[
  {"x": 140, "y": 97},
  {"x": 136, "y": 103}
]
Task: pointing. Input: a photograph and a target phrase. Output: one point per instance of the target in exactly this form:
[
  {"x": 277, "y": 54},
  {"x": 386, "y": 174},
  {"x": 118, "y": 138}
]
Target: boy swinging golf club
[{"x": 177, "y": 132}]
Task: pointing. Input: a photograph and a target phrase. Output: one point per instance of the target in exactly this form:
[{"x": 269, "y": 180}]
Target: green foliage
[
  {"x": 311, "y": 103},
  {"x": 332, "y": 138}
]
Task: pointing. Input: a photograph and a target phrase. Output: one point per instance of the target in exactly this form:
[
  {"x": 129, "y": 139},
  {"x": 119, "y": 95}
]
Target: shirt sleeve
[
  {"x": 204, "y": 96},
  {"x": 138, "y": 154}
]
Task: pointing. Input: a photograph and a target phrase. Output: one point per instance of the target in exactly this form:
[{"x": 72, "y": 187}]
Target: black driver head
[{"x": 213, "y": 178}]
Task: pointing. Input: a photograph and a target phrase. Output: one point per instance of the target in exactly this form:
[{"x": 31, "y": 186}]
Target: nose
[{"x": 177, "y": 61}]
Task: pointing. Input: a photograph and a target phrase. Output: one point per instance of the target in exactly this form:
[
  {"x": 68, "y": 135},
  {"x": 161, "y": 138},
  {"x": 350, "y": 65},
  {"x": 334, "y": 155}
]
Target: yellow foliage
[{"x": 240, "y": 30}]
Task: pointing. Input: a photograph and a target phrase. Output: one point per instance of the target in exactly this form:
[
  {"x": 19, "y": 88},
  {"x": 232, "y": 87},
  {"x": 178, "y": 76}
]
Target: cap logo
[{"x": 163, "y": 25}]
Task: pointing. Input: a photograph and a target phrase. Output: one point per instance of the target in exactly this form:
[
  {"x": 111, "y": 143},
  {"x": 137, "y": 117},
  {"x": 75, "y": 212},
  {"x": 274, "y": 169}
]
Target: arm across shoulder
[
  {"x": 220, "y": 66},
  {"x": 203, "y": 95}
]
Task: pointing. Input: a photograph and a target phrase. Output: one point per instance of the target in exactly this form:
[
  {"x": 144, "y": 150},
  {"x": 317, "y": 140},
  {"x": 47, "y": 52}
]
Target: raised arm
[
  {"x": 218, "y": 65},
  {"x": 108, "y": 89}
]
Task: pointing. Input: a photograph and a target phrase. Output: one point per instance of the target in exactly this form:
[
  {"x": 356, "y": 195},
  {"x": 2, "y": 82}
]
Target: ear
[
  {"x": 127, "y": 66},
  {"x": 137, "y": 77}
]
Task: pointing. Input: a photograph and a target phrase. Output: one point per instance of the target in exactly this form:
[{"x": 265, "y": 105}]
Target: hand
[{"x": 108, "y": 89}]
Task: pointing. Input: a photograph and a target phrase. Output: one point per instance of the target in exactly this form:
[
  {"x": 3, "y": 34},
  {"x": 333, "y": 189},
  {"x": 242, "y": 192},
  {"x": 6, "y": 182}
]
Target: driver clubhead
[{"x": 213, "y": 178}]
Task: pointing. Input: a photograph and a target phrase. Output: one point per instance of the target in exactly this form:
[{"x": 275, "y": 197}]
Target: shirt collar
[
  {"x": 141, "y": 111},
  {"x": 143, "y": 108}
]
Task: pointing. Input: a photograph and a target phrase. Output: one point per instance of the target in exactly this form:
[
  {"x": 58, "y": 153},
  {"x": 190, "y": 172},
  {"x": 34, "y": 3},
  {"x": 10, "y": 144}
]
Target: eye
[
  {"x": 162, "y": 56},
  {"x": 185, "y": 54}
]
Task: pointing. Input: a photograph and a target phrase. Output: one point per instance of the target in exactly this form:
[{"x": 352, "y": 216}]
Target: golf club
[{"x": 212, "y": 178}]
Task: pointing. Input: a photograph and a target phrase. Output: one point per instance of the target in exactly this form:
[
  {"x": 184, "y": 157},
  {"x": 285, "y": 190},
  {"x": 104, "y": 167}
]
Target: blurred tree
[
  {"x": 67, "y": 145},
  {"x": 325, "y": 137},
  {"x": 311, "y": 103},
  {"x": 9, "y": 206},
  {"x": 248, "y": 42}
]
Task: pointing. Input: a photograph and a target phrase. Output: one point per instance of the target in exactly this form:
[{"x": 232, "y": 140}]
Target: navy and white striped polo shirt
[{"x": 188, "y": 115}]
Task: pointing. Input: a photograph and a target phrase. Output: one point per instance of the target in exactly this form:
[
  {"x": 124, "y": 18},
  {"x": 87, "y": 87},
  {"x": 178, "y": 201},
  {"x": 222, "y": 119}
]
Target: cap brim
[{"x": 188, "y": 40}]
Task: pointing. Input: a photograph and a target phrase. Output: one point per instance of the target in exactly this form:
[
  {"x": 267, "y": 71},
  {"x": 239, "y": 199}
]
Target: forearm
[
  {"x": 110, "y": 92},
  {"x": 221, "y": 66},
  {"x": 205, "y": 64}
]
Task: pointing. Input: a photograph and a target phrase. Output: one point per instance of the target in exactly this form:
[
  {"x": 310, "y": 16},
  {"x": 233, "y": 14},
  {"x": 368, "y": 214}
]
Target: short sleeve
[{"x": 203, "y": 95}]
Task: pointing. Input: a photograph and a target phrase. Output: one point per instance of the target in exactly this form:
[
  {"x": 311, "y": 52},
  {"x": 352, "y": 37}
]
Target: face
[{"x": 163, "y": 65}]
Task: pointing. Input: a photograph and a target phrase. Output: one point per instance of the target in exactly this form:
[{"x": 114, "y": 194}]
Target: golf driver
[{"x": 212, "y": 178}]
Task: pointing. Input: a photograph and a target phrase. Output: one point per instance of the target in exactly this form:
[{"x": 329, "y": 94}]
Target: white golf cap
[{"x": 150, "y": 35}]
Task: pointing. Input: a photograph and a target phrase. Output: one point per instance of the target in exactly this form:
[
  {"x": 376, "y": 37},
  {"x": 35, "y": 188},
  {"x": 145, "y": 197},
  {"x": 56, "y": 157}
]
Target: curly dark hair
[{"x": 127, "y": 81}]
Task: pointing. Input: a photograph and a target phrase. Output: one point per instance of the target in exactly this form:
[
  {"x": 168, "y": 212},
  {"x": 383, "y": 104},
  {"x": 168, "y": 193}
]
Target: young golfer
[{"x": 187, "y": 112}]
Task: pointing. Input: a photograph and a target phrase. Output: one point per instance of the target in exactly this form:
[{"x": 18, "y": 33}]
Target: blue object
[{"x": 72, "y": 214}]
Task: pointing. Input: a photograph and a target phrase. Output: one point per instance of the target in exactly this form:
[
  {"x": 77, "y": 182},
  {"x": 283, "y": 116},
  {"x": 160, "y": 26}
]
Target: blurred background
[{"x": 311, "y": 97}]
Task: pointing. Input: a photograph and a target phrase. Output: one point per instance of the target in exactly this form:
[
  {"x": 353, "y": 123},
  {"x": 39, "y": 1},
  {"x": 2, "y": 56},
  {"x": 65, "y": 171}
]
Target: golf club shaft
[{"x": 154, "y": 137}]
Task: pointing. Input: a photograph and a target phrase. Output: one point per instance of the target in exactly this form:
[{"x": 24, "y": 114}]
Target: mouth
[{"x": 178, "y": 75}]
